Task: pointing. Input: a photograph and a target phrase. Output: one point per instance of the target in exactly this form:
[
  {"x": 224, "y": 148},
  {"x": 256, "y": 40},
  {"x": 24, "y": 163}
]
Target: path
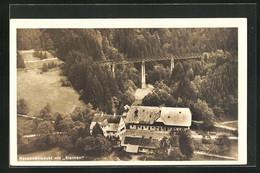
[
  {"x": 214, "y": 155},
  {"x": 221, "y": 125},
  {"x": 32, "y": 117},
  {"x": 227, "y": 122},
  {"x": 225, "y": 127},
  {"x": 34, "y": 135},
  {"x": 49, "y": 59},
  {"x": 212, "y": 137}
]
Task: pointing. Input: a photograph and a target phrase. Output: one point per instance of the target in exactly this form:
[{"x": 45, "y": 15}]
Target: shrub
[
  {"x": 45, "y": 67},
  {"x": 223, "y": 144},
  {"x": 52, "y": 65},
  {"x": 41, "y": 55},
  {"x": 22, "y": 107},
  {"x": 45, "y": 113},
  {"x": 65, "y": 82},
  {"x": 122, "y": 154},
  {"x": 36, "y": 53},
  {"x": 44, "y": 56},
  {"x": 206, "y": 141},
  {"x": 186, "y": 145},
  {"x": 20, "y": 61},
  {"x": 142, "y": 158}
]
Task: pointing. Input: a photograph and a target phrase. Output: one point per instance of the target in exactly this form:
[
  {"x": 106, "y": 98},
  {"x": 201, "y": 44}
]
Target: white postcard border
[{"x": 240, "y": 23}]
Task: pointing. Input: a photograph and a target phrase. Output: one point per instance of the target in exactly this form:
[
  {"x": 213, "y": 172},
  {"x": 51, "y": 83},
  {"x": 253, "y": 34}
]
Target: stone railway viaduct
[{"x": 113, "y": 63}]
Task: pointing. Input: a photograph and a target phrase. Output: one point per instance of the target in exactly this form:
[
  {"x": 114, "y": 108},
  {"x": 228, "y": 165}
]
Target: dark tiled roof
[
  {"x": 143, "y": 114},
  {"x": 172, "y": 116},
  {"x": 141, "y": 141}
]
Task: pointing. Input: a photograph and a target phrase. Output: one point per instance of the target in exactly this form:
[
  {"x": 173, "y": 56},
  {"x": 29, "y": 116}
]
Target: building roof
[
  {"x": 147, "y": 142},
  {"x": 140, "y": 142},
  {"x": 112, "y": 127},
  {"x": 176, "y": 116},
  {"x": 132, "y": 148},
  {"x": 108, "y": 117},
  {"x": 171, "y": 116},
  {"x": 142, "y": 114}
]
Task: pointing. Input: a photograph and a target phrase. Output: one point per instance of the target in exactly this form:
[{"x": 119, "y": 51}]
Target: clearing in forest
[{"x": 39, "y": 89}]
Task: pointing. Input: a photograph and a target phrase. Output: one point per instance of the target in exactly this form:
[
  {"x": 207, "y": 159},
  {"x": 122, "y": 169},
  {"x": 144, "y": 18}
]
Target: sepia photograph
[{"x": 128, "y": 92}]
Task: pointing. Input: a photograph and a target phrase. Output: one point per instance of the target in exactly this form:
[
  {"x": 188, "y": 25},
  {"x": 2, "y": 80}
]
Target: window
[
  {"x": 168, "y": 116},
  {"x": 142, "y": 127},
  {"x": 136, "y": 112},
  {"x": 180, "y": 112}
]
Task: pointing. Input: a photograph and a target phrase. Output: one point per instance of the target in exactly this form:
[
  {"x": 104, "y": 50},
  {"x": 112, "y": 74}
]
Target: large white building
[
  {"x": 142, "y": 128},
  {"x": 146, "y": 126}
]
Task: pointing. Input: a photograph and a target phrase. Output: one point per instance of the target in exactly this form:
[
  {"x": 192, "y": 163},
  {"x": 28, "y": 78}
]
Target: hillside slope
[{"x": 39, "y": 89}]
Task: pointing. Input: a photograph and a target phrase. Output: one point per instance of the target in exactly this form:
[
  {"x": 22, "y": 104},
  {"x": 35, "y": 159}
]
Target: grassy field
[{"x": 39, "y": 89}]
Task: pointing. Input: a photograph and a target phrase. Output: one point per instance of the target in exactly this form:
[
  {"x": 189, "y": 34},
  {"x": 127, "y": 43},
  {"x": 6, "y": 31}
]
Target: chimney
[
  {"x": 114, "y": 114},
  {"x": 102, "y": 114}
]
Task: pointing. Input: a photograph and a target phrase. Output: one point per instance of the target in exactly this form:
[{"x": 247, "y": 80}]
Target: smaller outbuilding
[{"x": 111, "y": 125}]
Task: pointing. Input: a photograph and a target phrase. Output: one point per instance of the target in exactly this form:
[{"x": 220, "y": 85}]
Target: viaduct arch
[{"x": 113, "y": 63}]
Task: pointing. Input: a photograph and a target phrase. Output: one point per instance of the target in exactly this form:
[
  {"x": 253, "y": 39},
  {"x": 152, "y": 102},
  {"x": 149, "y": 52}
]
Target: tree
[
  {"x": 22, "y": 107},
  {"x": 178, "y": 73},
  {"x": 45, "y": 67},
  {"x": 57, "y": 122},
  {"x": 76, "y": 132},
  {"x": 176, "y": 154},
  {"x": 44, "y": 55},
  {"x": 97, "y": 130},
  {"x": 169, "y": 149},
  {"x": 204, "y": 113},
  {"x": 128, "y": 97},
  {"x": 45, "y": 127},
  {"x": 96, "y": 147},
  {"x": 161, "y": 153},
  {"x": 186, "y": 145},
  {"x": 223, "y": 144},
  {"x": 45, "y": 139},
  {"x": 20, "y": 61},
  {"x": 66, "y": 124},
  {"x": 45, "y": 113},
  {"x": 65, "y": 143}
]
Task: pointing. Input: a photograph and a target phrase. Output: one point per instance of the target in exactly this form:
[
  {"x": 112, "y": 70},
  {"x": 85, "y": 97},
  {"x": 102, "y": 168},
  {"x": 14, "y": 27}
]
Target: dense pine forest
[{"x": 209, "y": 87}]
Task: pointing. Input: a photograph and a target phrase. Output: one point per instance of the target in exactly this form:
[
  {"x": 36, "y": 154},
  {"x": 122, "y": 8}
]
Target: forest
[{"x": 209, "y": 87}]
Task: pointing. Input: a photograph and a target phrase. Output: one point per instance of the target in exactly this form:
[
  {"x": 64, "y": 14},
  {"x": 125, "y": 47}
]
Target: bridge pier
[
  {"x": 172, "y": 63},
  {"x": 143, "y": 83},
  {"x": 113, "y": 70}
]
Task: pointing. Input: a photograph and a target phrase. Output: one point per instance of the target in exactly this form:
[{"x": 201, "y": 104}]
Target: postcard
[{"x": 113, "y": 92}]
